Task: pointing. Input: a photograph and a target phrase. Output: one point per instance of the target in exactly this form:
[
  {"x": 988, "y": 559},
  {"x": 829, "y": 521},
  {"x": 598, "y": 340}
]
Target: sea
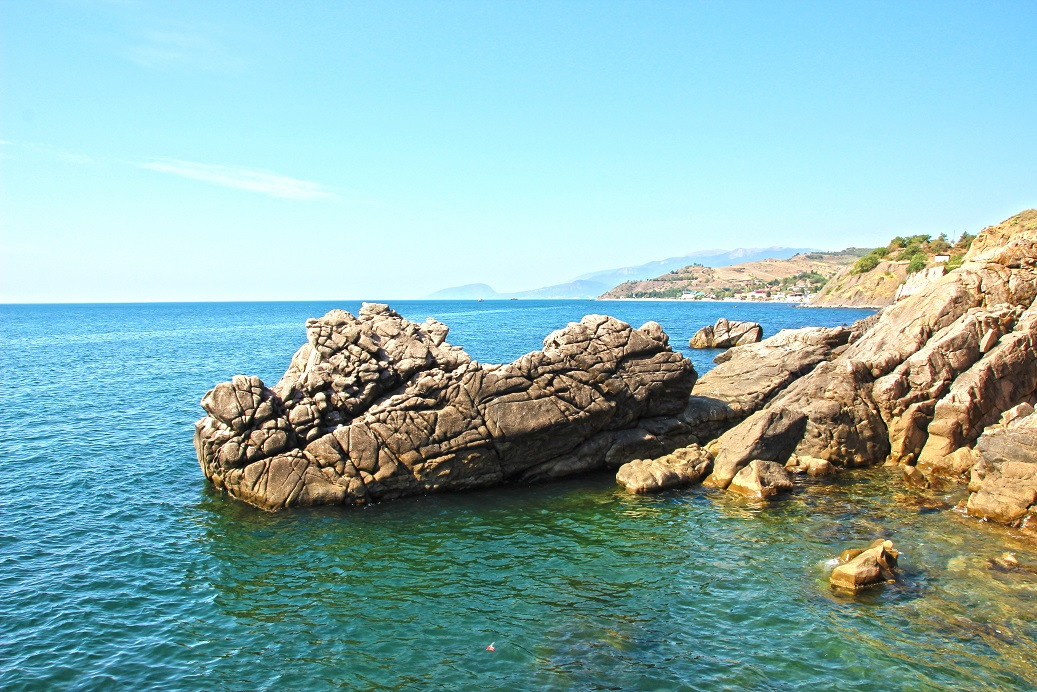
[{"x": 121, "y": 568}]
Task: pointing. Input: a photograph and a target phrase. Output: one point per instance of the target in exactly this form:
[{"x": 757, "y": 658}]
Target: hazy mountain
[
  {"x": 466, "y": 292},
  {"x": 596, "y": 283},
  {"x": 580, "y": 288},
  {"x": 707, "y": 258}
]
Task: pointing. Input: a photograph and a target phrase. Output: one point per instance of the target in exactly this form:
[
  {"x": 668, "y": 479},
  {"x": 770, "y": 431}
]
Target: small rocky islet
[{"x": 374, "y": 407}]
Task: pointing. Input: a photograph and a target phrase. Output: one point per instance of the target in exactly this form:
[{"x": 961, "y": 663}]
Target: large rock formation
[
  {"x": 376, "y": 407},
  {"x": 725, "y": 334},
  {"x": 921, "y": 382}
]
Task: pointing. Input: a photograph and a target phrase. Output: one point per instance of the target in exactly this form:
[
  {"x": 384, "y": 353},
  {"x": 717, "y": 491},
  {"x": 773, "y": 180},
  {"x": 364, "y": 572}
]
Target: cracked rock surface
[{"x": 375, "y": 407}]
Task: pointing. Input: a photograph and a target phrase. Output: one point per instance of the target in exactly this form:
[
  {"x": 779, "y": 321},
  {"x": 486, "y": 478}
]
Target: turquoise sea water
[{"x": 120, "y": 567}]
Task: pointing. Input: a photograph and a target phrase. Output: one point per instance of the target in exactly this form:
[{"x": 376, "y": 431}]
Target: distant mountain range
[{"x": 596, "y": 283}]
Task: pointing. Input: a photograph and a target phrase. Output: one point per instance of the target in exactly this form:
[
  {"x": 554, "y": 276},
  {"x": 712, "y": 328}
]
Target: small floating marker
[{"x": 490, "y": 647}]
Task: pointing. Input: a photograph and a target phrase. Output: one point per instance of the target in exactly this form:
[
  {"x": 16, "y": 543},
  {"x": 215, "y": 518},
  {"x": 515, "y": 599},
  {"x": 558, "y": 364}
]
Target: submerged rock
[
  {"x": 725, "y": 334},
  {"x": 684, "y": 467},
  {"x": 376, "y": 407},
  {"x": 862, "y": 569}
]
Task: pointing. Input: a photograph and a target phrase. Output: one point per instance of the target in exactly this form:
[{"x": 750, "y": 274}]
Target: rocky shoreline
[{"x": 375, "y": 407}]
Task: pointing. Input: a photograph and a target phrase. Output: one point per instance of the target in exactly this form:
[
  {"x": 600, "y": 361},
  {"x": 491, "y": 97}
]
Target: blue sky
[{"x": 283, "y": 151}]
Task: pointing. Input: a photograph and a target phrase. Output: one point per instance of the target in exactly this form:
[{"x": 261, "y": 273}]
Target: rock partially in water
[
  {"x": 762, "y": 480},
  {"x": 955, "y": 465},
  {"x": 376, "y": 407},
  {"x": 725, "y": 334},
  {"x": 768, "y": 435},
  {"x": 870, "y": 567},
  {"x": 924, "y": 379},
  {"x": 1007, "y": 473},
  {"x": 684, "y": 467},
  {"x": 914, "y": 477},
  {"x": 818, "y": 468}
]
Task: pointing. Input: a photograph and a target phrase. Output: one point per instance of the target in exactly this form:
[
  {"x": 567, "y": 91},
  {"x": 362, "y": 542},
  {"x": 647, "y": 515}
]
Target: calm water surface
[{"x": 119, "y": 567}]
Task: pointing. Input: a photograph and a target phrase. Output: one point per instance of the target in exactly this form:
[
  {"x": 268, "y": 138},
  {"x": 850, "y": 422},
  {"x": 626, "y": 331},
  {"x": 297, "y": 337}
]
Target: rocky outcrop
[
  {"x": 376, "y": 407},
  {"x": 725, "y": 334},
  {"x": 859, "y": 569},
  {"x": 925, "y": 380},
  {"x": 1005, "y": 475},
  {"x": 684, "y": 467}
]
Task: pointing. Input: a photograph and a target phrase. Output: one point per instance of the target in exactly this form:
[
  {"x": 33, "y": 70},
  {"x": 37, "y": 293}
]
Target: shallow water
[{"x": 120, "y": 566}]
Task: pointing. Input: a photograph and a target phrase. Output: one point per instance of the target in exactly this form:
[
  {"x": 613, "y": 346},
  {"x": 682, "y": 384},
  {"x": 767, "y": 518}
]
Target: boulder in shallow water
[
  {"x": 725, "y": 334},
  {"x": 762, "y": 480},
  {"x": 817, "y": 468},
  {"x": 914, "y": 477},
  {"x": 873, "y": 566},
  {"x": 955, "y": 465},
  {"x": 685, "y": 466}
]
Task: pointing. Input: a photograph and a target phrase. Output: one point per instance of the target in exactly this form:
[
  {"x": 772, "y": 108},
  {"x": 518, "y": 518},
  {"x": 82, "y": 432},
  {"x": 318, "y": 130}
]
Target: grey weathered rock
[
  {"x": 686, "y": 466},
  {"x": 870, "y": 567},
  {"x": 376, "y": 407},
  {"x": 762, "y": 480},
  {"x": 725, "y": 334}
]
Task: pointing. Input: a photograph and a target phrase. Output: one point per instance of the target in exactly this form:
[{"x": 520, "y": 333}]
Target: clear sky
[{"x": 333, "y": 150}]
